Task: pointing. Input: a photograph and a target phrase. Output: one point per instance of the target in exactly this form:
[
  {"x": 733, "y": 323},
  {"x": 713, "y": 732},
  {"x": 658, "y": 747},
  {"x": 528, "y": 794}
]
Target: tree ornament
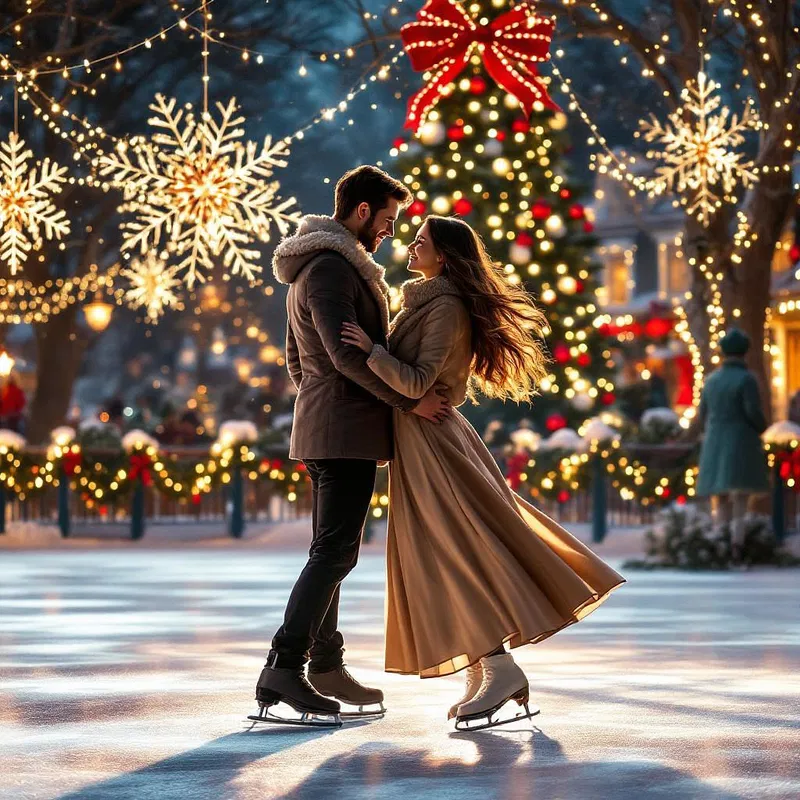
[
  {"x": 555, "y": 226},
  {"x": 432, "y": 133},
  {"x": 567, "y": 284},
  {"x": 584, "y": 360},
  {"x": 588, "y": 227},
  {"x": 463, "y": 207},
  {"x": 520, "y": 126},
  {"x": 441, "y": 205},
  {"x": 565, "y": 194},
  {"x": 27, "y": 213},
  {"x": 608, "y": 398},
  {"x": 153, "y": 285},
  {"x": 492, "y": 147},
  {"x": 477, "y": 85},
  {"x": 442, "y": 39},
  {"x": 541, "y": 210},
  {"x": 417, "y": 208},
  {"x": 518, "y": 254},
  {"x": 794, "y": 252},
  {"x": 561, "y": 353},
  {"x": 500, "y": 136},
  {"x": 577, "y": 211},
  {"x": 563, "y": 496},
  {"x": 200, "y": 189},
  {"x": 555, "y": 422},
  {"x": 698, "y": 157},
  {"x": 456, "y": 132},
  {"x": 501, "y": 167}
]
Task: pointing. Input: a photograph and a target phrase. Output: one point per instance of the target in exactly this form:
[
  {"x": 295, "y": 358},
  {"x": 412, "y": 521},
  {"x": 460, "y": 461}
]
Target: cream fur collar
[
  {"x": 417, "y": 293},
  {"x": 317, "y": 233}
]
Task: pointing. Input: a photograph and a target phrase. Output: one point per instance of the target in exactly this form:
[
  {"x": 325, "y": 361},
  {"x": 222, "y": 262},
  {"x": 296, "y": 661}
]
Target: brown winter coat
[{"x": 343, "y": 410}]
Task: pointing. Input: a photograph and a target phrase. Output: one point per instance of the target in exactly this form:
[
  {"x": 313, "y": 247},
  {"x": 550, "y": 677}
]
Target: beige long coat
[{"x": 470, "y": 564}]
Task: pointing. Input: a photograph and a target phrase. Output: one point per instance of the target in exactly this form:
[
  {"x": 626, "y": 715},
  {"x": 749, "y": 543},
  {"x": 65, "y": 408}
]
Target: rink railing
[
  {"x": 229, "y": 508},
  {"x": 232, "y": 507}
]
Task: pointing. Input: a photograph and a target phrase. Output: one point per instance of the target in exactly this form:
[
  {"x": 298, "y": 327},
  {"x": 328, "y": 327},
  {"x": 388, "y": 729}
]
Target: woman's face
[{"x": 422, "y": 255}]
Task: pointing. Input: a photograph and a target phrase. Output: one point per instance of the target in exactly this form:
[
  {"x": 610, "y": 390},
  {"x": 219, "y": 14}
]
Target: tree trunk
[
  {"x": 60, "y": 349},
  {"x": 768, "y": 208}
]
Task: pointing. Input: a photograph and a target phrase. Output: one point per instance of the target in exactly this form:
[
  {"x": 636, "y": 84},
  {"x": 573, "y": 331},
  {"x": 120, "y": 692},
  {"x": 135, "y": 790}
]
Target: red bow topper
[
  {"x": 441, "y": 41},
  {"x": 140, "y": 468},
  {"x": 789, "y": 462},
  {"x": 71, "y": 460}
]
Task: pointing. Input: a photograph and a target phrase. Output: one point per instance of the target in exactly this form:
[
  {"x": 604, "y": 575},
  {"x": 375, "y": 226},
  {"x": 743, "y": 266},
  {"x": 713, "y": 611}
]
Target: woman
[
  {"x": 732, "y": 461},
  {"x": 470, "y": 565}
]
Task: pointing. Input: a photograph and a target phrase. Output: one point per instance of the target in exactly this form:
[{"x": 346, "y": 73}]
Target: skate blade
[
  {"x": 364, "y": 712},
  {"x": 306, "y": 719},
  {"x": 482, "y": 722}
]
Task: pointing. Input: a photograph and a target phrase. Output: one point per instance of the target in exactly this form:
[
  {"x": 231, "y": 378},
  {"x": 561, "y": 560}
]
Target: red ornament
[
  {"x": 584, "y": 359},
  {"x": 604, "y": 329},
  {"x": 565, "y": 194},
  {"x": 555, "y": 422},
  {"x": 794, "y": 252},
  {"x": 456, "y": 132},
  {"x": 501, "y": 136},
  {"x": 462, "y": 207},
  {"x": 577, "y": 211},
  {"x": 579, "y": 286},
  {"x": 541, "y": 210},
  {"x": 666, "y": 493},
  {"x": 417, "y": 208},
  {"x": 520, "y": 126},
  {"x": 524, "y": 239},
  {"x": 561, "y": 353},
  {"x": 657, "y": 327},
  {"x": 195, "y": 499},
  {"x": 588, "y": 227},
  {"x": 398, "y": 141},
  {"x": 477, "y": 85},
  {"x": 563, "y": 496},
  {"x": 681, "y": 500},
  {"x": 443, "y": 37},
  {"x": 608, "y": 398}
]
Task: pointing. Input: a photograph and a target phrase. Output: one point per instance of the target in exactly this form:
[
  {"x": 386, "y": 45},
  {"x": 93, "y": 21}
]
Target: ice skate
[
  {"x": 502, "y": 681},
  {"x": 474, "y": 680},
  {"x": 339, "y": 683},
  {"x": 291, "y": 688}
]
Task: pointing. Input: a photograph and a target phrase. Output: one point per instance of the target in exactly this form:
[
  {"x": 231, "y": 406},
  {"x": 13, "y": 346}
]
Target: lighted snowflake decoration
[
  {"x": 698, "y": 156},
  {"x": 153, "y": 285},
  {"x": 199, "y": 189},
  {"x": 27, "y": 213}
]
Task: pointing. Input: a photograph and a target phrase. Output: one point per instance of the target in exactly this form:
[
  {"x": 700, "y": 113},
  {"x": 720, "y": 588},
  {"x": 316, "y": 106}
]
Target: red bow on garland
[
  {"x": 789, "y": 461},
  {"x": 442, "y": 38},
  {"x": 140, "y": 467},
  {"x": 71, "y": 460}
]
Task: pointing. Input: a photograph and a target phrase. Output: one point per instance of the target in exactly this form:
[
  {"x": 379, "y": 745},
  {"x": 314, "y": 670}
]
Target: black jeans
[{"x": 341, "y": 493}]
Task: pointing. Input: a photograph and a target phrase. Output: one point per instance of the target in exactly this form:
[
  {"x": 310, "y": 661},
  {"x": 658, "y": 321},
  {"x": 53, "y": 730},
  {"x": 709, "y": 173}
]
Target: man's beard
[{"x": 368, "y": 236}]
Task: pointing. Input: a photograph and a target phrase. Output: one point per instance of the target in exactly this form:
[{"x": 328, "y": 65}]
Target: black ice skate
[
  {"x": 291, "y": 688},
  {"x": 339, "y": 683}
]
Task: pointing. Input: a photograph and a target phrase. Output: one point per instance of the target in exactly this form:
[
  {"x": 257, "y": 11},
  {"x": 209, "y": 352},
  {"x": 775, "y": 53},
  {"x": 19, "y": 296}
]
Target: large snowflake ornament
[
  {"x": 27, "y": 213},
  {"x": 195, "y": 186},
  {"x": 698, "y": 156},
  {"x": 153, "y": 285}
]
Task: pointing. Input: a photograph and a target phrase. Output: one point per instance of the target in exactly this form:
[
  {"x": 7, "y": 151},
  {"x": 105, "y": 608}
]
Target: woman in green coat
[{"x": 732, "y": 461}]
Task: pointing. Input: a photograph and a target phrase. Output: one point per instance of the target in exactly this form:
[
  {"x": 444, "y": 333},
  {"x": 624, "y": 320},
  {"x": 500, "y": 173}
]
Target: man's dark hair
[{"x": 370, "y": 185}]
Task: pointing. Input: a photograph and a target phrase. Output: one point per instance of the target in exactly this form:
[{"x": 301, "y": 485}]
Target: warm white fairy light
[
  {"x": 698, "y": 150},
  {"x": 153, "y": 285},
  {"x": 28, "y": 215},
  {"x": 198, "y": 189}
]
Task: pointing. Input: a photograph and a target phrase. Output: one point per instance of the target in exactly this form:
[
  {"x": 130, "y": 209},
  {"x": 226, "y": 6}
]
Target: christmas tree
[{"x": 477, "y": 152}]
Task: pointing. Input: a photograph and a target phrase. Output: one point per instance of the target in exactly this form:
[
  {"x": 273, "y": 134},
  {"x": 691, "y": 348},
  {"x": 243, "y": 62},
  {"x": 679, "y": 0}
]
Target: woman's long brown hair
[{"x": 509, "y": 356}]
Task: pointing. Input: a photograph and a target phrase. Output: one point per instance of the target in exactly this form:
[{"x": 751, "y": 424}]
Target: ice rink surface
[{"x": 128, "y": 673}]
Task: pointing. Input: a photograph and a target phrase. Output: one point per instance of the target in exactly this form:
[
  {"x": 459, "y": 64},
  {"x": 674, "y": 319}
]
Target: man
[{"x": 342, "y": 427}]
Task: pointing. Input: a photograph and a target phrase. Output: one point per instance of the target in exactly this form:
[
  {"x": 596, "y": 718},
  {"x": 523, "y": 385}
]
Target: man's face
[{"x": 377, "y": 227}]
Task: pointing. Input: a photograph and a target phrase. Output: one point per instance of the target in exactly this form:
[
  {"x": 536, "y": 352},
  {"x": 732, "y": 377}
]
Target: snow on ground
[{"x": 127, "y": 670}]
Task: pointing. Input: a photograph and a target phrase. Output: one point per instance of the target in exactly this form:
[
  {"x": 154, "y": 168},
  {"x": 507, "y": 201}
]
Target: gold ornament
[
  {"x": 26, "y": 207},
  {"x": 206, "y": 193},
  {"x": 153, "y": 285},
  {"x": 698, "y": 156}
]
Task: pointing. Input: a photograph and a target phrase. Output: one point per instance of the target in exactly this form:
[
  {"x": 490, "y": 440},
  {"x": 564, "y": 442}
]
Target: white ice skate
[
  {"x": 502, "y": 681},
  {"x": 474, "y": 680}
]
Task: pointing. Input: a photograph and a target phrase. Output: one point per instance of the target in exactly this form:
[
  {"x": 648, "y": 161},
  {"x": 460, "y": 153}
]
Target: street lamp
[
  {"x": 6, "y": 364},
  {"x": 98, "y": 313}
]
